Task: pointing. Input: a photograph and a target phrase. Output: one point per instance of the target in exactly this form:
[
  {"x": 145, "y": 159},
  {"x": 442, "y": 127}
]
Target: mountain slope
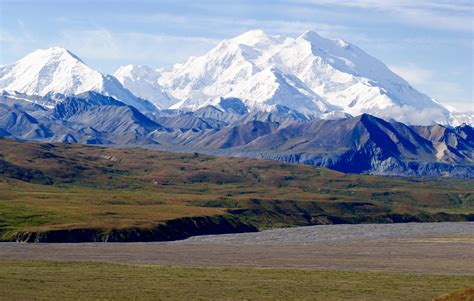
[
  {"x": 346, "y": 76},
  {"x": 368, "y": 144},
  {"x": 57, "y": 70},
  {"x": 231, "y": 70},
  {"x": 310, "y": 74},
  {"x": 259, "y": 73},
  {"x": 142, "y": 81},
  {"x": 15, "y": 122},
  {"x": 88, "y": 118},
  {"x": 96, "y": 119},
  {"x": 363, "y": 144}
]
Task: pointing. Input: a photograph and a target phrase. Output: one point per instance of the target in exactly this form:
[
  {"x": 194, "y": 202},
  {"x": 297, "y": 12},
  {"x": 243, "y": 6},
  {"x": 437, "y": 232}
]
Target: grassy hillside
[
  {"x": 50, "y": 187},
  {"x": 106, "y": 281}
]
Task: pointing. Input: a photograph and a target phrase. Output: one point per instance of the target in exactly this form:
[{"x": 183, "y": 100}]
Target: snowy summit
[
  {"x": 57, "y": 70},
  {"x": 316, "y": 76},
  {"x": 310, "y": 73}
]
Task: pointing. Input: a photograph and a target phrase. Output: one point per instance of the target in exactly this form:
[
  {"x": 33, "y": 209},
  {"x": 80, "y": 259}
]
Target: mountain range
[
  {"x": 308, "y": 100},
  {"x": 316, "y": 76},
  {"x": 363, "y": 144}
]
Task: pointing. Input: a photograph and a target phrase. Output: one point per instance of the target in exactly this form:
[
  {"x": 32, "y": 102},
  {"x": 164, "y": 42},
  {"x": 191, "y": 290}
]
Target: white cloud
[
  {"x": 107, "y": 49},
  {"x": 451, "y": 6},
  {"x": 100, "y": 44},
  {"x": 436, "y": 19},
  {"x": 17, "y": 41},
  {"x": 445, "y": 15},
  {"x": 414, "y": 74},
  {"x": 462, "y": 106},
  {"x": 96, "y": 43},
  {"x": 386, "y": 4},
  {"x": 447, "y": 92},
  {"x": 231, "y": 26},
  {"x": 450, "y": 93}
]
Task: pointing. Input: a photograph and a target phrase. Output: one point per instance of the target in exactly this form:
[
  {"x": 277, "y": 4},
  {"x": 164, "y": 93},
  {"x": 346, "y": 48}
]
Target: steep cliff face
[
  {"x": 171, "y": 230},
  {"x": 238, "y": 221}
]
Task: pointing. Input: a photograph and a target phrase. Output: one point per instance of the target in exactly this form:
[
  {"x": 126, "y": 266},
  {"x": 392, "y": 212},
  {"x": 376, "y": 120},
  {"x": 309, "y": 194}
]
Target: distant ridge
[{"x": 363, "y": 144}]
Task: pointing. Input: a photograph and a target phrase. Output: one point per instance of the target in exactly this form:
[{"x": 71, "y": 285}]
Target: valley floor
[
  {"x": 75, "y": 193},
  {"x": 334, "y": 262},
  {"x": 427, "y": 248},
  {"x": 39, "y": 280}
]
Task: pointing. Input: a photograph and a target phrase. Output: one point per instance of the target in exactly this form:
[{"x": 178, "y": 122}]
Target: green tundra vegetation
[
  {"x": 49, "y": 280},
  {"x": 52, "y": 187}
]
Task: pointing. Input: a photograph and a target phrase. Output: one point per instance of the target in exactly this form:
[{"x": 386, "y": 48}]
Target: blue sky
[{"x": 429, "y": 43}]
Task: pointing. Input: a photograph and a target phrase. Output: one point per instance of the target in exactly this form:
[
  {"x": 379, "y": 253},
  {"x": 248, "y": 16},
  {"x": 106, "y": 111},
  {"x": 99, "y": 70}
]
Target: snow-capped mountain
[
  {"x": 257, "y": 95},
  {"x": 143, "y": 82},
  {"x": 233, "y": 70},
  {"x": 57, "y": 70},
  {"x": 310, "y": 73}
]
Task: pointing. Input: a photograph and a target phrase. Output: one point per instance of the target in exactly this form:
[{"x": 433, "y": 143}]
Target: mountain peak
[
  {"x": 251, "y": 34},
  {"x": 54, "y": 70},
  {"x": 252, "y": 37},
  {"x": 136, "y": 70},
  {"x": 142, "y": 81},
  {"x": 312, "y": 70},
  {"x": 58, "y": 70},
  {"x": 58, "y": 49},
  {"x": 315, "y": 39},
  {"x": 310, "y": 34},
  {"x": 311, "y": 74},
  {"x": 55, "y": 53},
  {"x": 126, "y": 68}
]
